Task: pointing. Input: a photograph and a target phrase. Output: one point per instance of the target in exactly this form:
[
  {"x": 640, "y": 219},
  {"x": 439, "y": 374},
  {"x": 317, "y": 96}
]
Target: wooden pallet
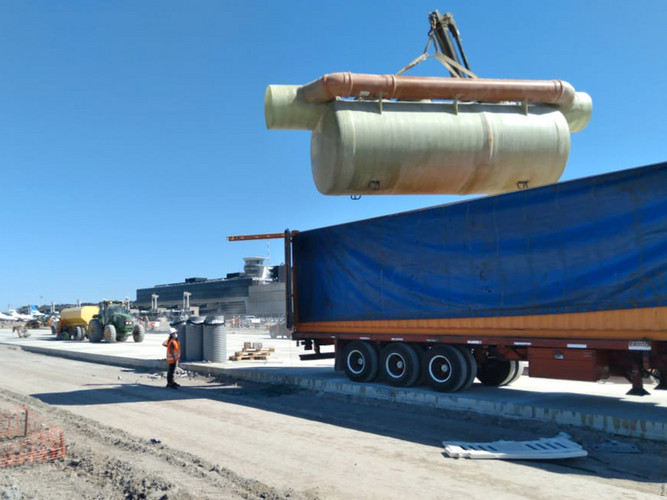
[
  {"x": 248, "y": 357},
  {"x": 252, "y": 351}
]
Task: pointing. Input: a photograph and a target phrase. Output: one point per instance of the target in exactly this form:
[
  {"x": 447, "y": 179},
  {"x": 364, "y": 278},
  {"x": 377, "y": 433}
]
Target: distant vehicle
[
  {"x": 73, "y": 322},
  {"x": 36, "y": 314},
  {"x": 13, "y": 315},
  {"x": 34, "y": 324},
  {"x": 279, "y": 329},
  {"x": 251, "y": 321},
  {"x": 114, "y": 323},
  {"x": 7, "y": 317},
  {"x": 16, "y": 316}
]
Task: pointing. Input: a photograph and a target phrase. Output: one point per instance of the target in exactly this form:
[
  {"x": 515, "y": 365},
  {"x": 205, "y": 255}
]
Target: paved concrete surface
[{"x": 600, "y": 406}]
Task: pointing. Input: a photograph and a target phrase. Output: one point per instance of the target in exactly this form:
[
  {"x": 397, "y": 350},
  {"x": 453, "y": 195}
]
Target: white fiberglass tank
[{"x": 399, "y": 147}]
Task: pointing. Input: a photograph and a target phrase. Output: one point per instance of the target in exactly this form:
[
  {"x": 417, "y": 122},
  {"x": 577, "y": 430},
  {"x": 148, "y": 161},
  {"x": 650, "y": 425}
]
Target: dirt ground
[
  {"x": 107, "y": 463},
  {"x": 128, "y": 437}
]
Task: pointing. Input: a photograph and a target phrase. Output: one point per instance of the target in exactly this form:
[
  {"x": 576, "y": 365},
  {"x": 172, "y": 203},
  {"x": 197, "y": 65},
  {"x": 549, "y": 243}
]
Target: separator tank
[
  {"x": 429, "y": 148},
  {"x": 361, "y": 147}
]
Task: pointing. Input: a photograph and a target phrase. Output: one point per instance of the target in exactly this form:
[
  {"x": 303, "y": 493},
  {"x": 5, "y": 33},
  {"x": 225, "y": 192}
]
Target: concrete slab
[{"x": 599, "y": 406}]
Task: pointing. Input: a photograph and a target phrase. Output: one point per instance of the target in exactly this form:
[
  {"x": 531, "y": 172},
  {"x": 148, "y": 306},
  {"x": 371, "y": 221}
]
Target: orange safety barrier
[{"x": 26, "y": 437}]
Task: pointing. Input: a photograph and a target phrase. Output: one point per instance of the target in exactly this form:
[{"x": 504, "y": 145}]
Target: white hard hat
[{"x": 173, "y": 330}]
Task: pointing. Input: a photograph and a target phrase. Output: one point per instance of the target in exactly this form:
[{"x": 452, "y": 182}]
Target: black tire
[
  {"x": 79, "y": 333},
  {"x": 520, "y": 365},
  {"x": 514, "y": 373},
  {"x": 445, "y": 368},
  {"x": 471, "y": 364},
  {"x": 110, "y": 334},
  {"x": 400, "y": 364},
  {"x": 497, "y": 372},
  {"x": 361, "y": 361},
  {"x": 95, "y": 332},
  {"x": 138, "y": 333}
]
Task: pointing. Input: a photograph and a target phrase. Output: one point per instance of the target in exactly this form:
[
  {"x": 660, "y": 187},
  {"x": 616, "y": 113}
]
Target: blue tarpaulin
[{"x": 591, "y": 244}]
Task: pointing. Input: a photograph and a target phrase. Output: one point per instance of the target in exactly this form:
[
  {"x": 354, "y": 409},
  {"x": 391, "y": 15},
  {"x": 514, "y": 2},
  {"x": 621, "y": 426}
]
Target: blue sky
[{"x": 132, "y": 136}]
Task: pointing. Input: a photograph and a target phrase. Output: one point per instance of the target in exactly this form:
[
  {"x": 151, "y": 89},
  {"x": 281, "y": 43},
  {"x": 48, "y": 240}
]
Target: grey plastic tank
[
  {"x": 215, "y": 339},
  {"x": 194, "y": 338}
]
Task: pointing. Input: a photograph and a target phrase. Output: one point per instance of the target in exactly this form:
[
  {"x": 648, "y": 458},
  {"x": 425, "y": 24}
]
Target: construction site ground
[{"x": 284, "y": 428}]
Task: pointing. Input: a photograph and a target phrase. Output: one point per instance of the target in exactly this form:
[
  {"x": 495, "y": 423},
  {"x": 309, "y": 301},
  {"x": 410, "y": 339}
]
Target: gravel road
[{"x": 129, "y": 437}]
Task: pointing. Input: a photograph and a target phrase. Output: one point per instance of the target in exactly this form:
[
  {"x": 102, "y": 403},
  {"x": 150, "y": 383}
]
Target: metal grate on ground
[{"x": 541, "y": 449}]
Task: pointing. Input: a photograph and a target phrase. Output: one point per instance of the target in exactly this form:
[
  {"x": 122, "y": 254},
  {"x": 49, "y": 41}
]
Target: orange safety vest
[{"x": 173, "y": 351}]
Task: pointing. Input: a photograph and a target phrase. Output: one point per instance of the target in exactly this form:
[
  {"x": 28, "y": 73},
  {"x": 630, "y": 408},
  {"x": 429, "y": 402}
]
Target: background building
[{"x": 259, "y": 290}]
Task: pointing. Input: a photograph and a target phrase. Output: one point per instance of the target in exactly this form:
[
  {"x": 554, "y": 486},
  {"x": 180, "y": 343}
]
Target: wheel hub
[
  {"x": 356, "y": 361},
  {"x": 440, "y": 369},
  {"x": 395, "y": 365}
]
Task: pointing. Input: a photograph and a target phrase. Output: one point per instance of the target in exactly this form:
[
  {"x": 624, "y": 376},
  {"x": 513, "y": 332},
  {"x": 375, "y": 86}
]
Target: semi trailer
[{"x": 569, "y": 278}]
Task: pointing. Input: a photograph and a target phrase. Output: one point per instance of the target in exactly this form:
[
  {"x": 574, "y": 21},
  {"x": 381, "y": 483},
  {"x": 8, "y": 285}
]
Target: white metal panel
[{"x": 541, "y": 449}]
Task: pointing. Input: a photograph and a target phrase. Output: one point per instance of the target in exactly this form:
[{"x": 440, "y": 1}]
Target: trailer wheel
[
  {"x": 400, "y": 364},
  {"x": 138, "y": 333},
  {"x": 110, "y": 333},
  {"x": 445, "y": 368},
  {"x": 361, "y": 361},
  {"x": 519, "y": 371},
  {"x": 496, "y": 372},
  {"x": 471, "y": 364},
  {"x": 95, "y": 331},
  {"x": 78, "y": 333}
]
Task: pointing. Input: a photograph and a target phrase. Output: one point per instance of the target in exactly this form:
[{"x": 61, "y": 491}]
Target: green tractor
[{"x": 114, "y": 324}]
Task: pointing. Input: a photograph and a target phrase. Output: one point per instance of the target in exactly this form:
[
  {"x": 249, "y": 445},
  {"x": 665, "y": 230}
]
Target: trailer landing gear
[
  {"x": 636, "y": 378},
  {"x": 661, "y": 377}
]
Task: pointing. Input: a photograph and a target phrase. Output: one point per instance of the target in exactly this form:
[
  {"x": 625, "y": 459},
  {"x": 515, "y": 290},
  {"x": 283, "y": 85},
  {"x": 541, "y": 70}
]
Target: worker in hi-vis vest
[{"x": 173, "y": 356}]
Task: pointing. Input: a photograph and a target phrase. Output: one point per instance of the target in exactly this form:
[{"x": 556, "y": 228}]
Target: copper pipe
[
  {"x": 247, "y": 237},
  {"x": 333, "y": 85}
]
